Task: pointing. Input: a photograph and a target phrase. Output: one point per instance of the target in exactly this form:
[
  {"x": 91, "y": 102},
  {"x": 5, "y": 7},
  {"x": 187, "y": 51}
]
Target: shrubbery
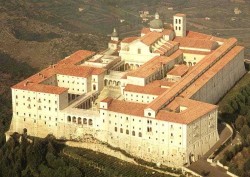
[{"x": 236, "y": 111}]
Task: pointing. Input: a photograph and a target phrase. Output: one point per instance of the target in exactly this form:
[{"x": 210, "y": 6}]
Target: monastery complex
[{"x": 152, "y": 95}]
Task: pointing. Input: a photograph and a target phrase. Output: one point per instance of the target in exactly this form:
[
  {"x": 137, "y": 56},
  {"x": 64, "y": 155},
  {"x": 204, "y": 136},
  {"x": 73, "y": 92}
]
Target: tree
[
  {"x": 2, "y": 139},
  {"x": 245, "y": 130},
  {"x": 227, "y": 109},
  {"x": 241, "y": 97},
  {"x": 240, "y": 121},
  {"x": 247, "y": 166},
  {"x": 228, "y": 155},
  {"x": 234, "y": 105},
  {"x": 243, "y": 109},
  {"x": 73, "y": 171},
  {"x": 248, "y": 100},
  {"x": 244, "y": 92}
]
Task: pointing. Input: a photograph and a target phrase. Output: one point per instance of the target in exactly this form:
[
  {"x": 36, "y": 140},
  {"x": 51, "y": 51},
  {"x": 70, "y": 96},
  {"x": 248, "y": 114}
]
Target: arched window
[
  {"x": 140, "y": 134},
  {"x": 139, "y": 51},
  {"x": 94, "y": 87},
  {"x": 179, "y": 21},
  {"x": 115, "y": 129},
  {"x": 105, "y": 82},
  {"x": 133, "y": 133},
  {"x": 74, "y": 119},
  {"x": 121, "y": 130},
  {"x": 90, "y": 122},
  {"x": 79, "y": 120},
  {"x": 127, "y": 132},
  {"x": 84, "y": 121}
]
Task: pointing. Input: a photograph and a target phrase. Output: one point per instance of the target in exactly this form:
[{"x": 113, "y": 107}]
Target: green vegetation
[
  {"x": 235, "y": 110},
  {"x": 37, "y": 158}
]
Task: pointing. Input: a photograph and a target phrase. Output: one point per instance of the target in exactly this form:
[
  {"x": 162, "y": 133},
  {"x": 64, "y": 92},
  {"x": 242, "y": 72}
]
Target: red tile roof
[
  {"x": 129, "y": 108},
  {"x": 194, "y": 111},
  {"x": 196, "y": 43},
  {"x": 129, "y": 39},
  {"x": 77, "y": 57},
  {"x": 179, "y": 70},
  {"x": 145, "y": 30},
  {"x": 153, "y": 65},
  {"x": 148, "y": 89},
  {"x": 200, "y": 67},
  {"x": 197, "y": 35},
  {"x": 196, "y": 52},
  {"x": 180, "y": 15},
  {"x": 66, "y": 66},
  {"x": 192, "y": 89},
  {"x": 151, "y": 38}
]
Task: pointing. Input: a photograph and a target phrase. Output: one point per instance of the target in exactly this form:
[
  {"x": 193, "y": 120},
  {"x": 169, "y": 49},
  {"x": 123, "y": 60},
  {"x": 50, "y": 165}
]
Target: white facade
[{"x": 171, "y": 123}]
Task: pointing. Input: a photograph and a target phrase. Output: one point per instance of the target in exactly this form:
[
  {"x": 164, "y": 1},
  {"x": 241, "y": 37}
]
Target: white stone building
[{"x": 151, "y": 95}]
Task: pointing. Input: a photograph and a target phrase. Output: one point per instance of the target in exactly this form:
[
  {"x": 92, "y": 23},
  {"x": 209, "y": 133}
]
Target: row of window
[
  {"x": 136, "y": 100},
  {"x": 35, "y": 122},
  {"x": 39, "y": 107},
  {"x": 176, "y": 28},
  {"x": 80, "y": 120},
  {"x": 137, "y": 96},
  {"x": 148, "y": 121},
  {"x": 72, "y": 82},
  {"x": 177, "y": 20},
  {"x": 127, "y": 132},
  {"x": 39, "y": 100}
]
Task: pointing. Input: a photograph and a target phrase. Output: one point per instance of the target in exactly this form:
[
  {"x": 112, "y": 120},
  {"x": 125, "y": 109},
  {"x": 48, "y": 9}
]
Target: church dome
[{"x": 156, "y": 23}]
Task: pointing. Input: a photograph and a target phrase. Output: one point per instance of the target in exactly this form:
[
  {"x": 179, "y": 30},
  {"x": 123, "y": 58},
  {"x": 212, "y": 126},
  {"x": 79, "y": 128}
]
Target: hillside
[{"x": 36, "y": 33}]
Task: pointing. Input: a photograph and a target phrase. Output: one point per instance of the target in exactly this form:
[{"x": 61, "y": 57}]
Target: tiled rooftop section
[
  {"x": 151, "y": 38},
  {"x": 189, "y": 78},
  {"x": 77, "y": 57},
  {"x": 195, "y": 110},
  {"x": 153, "y": 65},
  {"x": 145, "y": 31},
  {"x": 129, "y": 39},
  {"x": 164, "y": 48},
  {"x": 192, "y": 89},
  {"x": 196, "y": 43},
  {"x": 161, "y": 83},
  {"x": 197, "y": 35},
  {"x": 107, "y": 100},
  {"x": 64, "y": 67},
  {"x": 196, "y": 52},
  {"x": 43, "y": 88},
  {"x": 180, "y": 15},
  {"x": 129, "y": 108},
  {"x": 179, "y": 70},
  {"x": 148, "y": 89}
]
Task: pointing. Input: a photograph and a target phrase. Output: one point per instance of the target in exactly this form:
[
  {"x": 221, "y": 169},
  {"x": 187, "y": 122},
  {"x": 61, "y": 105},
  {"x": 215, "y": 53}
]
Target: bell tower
[{"x": 179, "y": 22}]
